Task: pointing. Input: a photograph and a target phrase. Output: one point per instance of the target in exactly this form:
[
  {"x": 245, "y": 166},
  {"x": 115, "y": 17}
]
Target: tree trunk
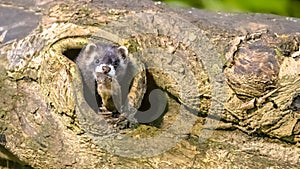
[{"x": 193, "y": 56}]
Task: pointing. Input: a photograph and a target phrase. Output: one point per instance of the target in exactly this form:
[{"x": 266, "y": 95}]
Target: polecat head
[{"x": 107, "y": 59}]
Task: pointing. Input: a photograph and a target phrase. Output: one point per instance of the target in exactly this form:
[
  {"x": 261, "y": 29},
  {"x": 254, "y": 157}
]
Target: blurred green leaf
[{"x": 279, "y": 7}]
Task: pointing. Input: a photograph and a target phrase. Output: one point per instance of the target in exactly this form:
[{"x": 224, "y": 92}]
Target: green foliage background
[{"x": 279, "y": 7}]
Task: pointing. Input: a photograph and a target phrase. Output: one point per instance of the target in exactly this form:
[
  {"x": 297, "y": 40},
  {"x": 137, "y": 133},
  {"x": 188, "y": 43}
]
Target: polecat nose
[{"x": 106, "y": 69}]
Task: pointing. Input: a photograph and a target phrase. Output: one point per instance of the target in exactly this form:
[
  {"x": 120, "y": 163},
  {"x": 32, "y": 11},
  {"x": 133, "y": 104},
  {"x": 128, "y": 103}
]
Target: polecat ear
[
  {"x": 88, "y": 52},
  {"x": 124, "y": 51},
  {"x": 90, "y": 48}
]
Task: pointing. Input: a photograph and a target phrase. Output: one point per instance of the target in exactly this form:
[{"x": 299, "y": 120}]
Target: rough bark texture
[{"x": 234, "y": 71}]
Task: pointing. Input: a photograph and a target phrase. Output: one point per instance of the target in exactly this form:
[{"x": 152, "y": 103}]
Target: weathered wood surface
[{"x": 43, "y": 122}]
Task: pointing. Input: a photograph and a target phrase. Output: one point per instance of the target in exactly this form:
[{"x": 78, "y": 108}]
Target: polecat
[{"x": 100, "y": 62}]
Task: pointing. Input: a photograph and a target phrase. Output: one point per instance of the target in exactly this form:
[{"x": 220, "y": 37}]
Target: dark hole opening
[
  {"x": 295, "y": 106},
  {"x": 145, "y": 105},
  {"x": 72, "y": 53},
  {"x": 150, "y": 86}
]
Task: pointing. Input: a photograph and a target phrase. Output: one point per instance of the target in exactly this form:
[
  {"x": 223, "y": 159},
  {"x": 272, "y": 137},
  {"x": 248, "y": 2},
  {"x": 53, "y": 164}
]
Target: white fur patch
[{"x": 111, "y": 73}]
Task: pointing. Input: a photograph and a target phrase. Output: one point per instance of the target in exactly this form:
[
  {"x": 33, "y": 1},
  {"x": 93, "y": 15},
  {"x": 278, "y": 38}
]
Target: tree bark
[{"x": 46, "y": 123}]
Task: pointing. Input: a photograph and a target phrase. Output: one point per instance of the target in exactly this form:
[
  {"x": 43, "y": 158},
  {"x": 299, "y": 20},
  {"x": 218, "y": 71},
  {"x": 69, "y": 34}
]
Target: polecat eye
[
  {"x": 116, "y": 63},
  {"x": 97, "y": 61}
]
